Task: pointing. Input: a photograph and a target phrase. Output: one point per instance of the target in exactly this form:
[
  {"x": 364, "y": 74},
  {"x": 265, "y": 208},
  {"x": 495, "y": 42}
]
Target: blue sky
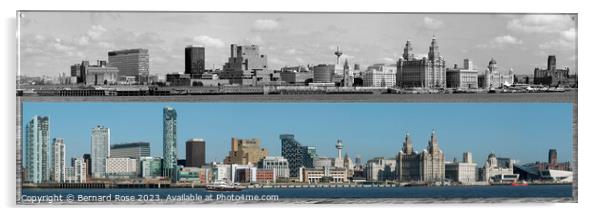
[
  {"x": 52, "y": 41},
  {"x": 521, "y": 131}
]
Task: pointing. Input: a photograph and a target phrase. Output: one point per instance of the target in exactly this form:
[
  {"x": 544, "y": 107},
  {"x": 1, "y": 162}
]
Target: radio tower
[{"x": 338, "y": 53}]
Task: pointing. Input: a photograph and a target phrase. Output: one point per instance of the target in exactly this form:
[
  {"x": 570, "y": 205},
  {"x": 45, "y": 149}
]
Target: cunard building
[
  {"x": 426, "y": 166},
  {"x": 426, "y": 72}
]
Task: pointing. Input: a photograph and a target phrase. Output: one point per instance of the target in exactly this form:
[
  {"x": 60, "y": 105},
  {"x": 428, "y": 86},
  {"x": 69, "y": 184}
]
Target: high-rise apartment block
[
  {"x": 101, "y": 137},
  {"x": 37, "y": 150}
]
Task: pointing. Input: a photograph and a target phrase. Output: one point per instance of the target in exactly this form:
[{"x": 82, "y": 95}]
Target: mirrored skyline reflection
[
  {"x": 524, "y": 132},
  {"x": 52, "y": 41}
]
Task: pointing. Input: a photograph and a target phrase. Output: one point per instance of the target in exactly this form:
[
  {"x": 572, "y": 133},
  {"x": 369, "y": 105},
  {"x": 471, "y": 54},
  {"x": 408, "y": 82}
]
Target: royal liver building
[
  {"x": 426, "y": 72},
  {"x": 427, "y": 166}
]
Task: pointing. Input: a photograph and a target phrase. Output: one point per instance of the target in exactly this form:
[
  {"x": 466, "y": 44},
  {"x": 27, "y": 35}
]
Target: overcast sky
[{"x": 52, "y": 41}]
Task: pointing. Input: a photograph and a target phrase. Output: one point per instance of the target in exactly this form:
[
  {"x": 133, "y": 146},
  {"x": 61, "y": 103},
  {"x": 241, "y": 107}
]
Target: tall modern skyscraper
[
  {"x": 170, "y": 158},
  {"x": 131, "y": 62},
  {"x": 58, "y": 159},
  {"x": 195, "y": 152},
  {"x": 194, "y": 61},
  {"x": 100, "y": 150},
  {"x": 36, "y": 150},
  {"x": 297, "y": 155}
]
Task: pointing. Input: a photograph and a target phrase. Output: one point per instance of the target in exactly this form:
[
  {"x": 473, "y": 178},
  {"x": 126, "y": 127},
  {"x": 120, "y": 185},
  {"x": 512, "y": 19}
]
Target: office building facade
[
  {"x": 36, "y": 150},
  {"x": 131, "y": 63},
  {"x": 278, "y": 164},
  {"x": 297, "y": 155},
  {"x": 194, "y": 61},
  {"x": 462, "y": 78},
  {"x": 195, "y": 152},
  {"x": 245, "y": 151},
  {"x": 380, "y": 169},
  {"x": 150, "y": 167},
  {"x": 246, "y": 65},
  {"x": 99, "y": 74},
  {"x": 134, "y": 150},
  {"x": 101, "y": 137},
  {"x": 121, "y": 167},
  {"x": 380, "y": 75}
]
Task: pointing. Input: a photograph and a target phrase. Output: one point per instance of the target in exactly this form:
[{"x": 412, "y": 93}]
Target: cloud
[
  {"x": 96, "y": 31},
  {"x": 265, "y": 25},
  {"x": 208, "y": 41},
  {"x": 388, "y": 60},
  {"x": 570, "y": 34},
  {"x": 291, "y": 51},
  {"x": 431, "y": 23},
  {"x": 255, "y": 40},
  {"x": 541, "y": 23},
  {"x": 558, "y": 45},
  {"x": 501, "y": 42},
  {"x": 275, "y": 61}
]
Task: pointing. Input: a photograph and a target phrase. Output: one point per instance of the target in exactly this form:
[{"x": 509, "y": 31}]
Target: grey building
[
  {"x": 297, "y": 155},
  {"x": 462, "y": 78},
  {"x": 37, "y": 150},
  {"x": 246, "y": 65},
  {"x": 99, "y": 74},
  {"x": 131, "y": 63},
  {"x": 100, "y": 150},
  {"x": 194, "y": 61},
  {"x": 464, "y": 172},
  {"x": 170, "y": 156},
  {"x": 195, "y": 152},
  {"x": 551, "y": 76}
]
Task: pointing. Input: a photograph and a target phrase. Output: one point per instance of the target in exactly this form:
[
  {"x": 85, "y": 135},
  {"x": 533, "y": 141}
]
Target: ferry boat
[{"x": 222, "y": 186}]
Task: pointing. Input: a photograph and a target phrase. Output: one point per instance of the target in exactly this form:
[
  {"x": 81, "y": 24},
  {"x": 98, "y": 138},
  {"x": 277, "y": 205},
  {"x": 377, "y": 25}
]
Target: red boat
[{"x": 521, "y": 183}]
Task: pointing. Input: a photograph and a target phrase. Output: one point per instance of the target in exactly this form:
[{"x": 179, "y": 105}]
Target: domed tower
[
  {"x": 492, "y": 160},
  {"x": 492, "y": 65}
]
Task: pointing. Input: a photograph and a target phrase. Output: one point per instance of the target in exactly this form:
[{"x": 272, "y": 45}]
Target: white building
[
  {"x": 279, "y": 164},
  {"x": 58, "y": 160},
  {"x": 321, "y": 162},
  {"x": 380, "y": 75},
  {"x": 121, "y": 166},
  {"x": 380, "y": 169},
  {"x": 464, "y": 172},
  {"x": 222, "y": 172},
  {"x": 80, "y": 170},
  {"x": 324, "y": 175},
  {"x": 498, "y": 169}
]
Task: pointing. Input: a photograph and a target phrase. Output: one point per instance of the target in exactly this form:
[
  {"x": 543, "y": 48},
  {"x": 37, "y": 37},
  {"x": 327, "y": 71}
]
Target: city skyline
[
  {"x": 55, "y": 40},
  {"x": 527, "y": 132}
]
